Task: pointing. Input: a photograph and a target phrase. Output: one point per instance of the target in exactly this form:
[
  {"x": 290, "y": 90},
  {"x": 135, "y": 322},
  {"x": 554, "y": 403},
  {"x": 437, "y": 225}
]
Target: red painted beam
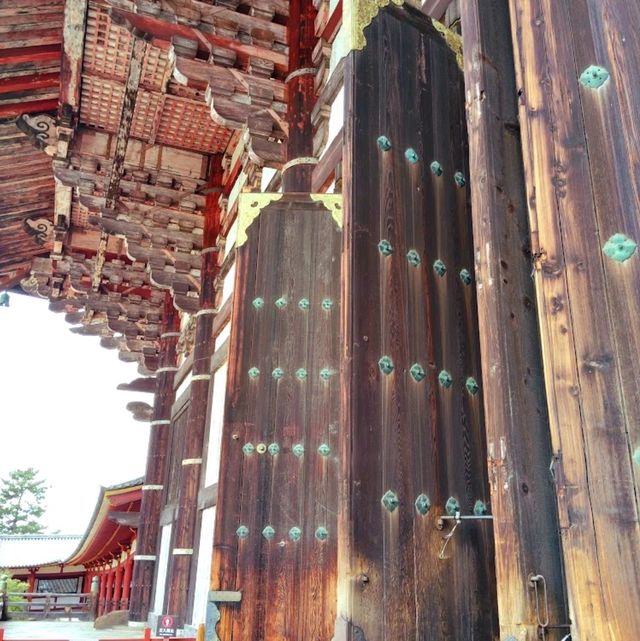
[
  {"x": 165, "y": 31},
  {"x": 333, "y": 24},
  {"x": 41, "y": 53},
  {"x": 12, "y": 110},
  {"x": 35, "y": 81},
  {"x": 48, "y": 36}
]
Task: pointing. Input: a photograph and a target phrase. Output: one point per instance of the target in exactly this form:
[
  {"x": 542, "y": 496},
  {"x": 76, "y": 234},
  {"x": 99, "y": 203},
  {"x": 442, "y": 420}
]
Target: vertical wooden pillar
[
  {"x": 275, "y": 536},
  {"x": 108, "y": 593},
  {"x": 126, "y": 582},
  {"x": 32, "y": 580},
  {"x": 157, "y": 457},
  {"x": 184, "y": 532},
  {"x": 412, "y": 432},
  {"x": 103, "y": 590},
  {"x": 117, "y": 586},
  {"x": 578, "y": 72},
  {"x": 296, "y": 173},
  {"x": 525, "y": 522}
]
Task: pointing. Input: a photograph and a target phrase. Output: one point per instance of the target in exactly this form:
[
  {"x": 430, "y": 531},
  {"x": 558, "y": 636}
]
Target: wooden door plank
[{"x": 525, "y": 522}]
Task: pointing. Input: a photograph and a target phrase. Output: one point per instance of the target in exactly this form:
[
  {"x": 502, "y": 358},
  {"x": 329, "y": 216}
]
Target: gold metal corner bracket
[
  {"x": 332, "y": 203},
  {"x": 362, "y": 14},
  {"x": 250, "y": 204}
]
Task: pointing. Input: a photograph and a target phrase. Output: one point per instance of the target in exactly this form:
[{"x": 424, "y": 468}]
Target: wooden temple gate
[
  {"x": 414, "y": 449},
  {"x": 403, "y": 435},
  {"x": 432, "y": 404}
]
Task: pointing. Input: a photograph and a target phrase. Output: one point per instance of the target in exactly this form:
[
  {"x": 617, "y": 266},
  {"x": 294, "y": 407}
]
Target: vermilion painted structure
[
  {"x": 106, "y": 549},
  {"x": 379, "y": 273},
  {"x": 68, "y": 564}
]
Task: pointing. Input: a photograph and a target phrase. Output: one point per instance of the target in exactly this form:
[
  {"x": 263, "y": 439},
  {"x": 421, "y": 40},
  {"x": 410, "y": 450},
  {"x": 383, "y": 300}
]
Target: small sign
[{"x": 167, "y": 625}]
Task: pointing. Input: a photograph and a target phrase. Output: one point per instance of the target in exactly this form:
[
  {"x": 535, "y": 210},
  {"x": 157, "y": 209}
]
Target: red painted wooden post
[
  {"x": 109, "y": 591},
  {"x": 103, "y": 587},
  {"x": 297, "y": 177},
  {"x": 32, "y": 580},
  {"x": 126, "y": 582},
  {"x": 117, "y": 586}
]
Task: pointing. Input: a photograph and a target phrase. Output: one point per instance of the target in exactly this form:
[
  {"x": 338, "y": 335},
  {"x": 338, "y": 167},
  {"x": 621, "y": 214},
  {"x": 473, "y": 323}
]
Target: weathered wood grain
[
  {"x": 185, "y": 531},
  {"x": 402, "y": 435},
  {"x": 519, "y": 452},
  {"x": 581, "y": 151},
  {"x": 158, "y": 456},
  {"x": 288, "y": 586}
]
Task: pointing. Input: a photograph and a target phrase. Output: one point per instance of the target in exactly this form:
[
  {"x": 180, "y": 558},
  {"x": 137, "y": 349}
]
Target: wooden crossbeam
[
  {"x": 34, "y": 81},
  {"x": 41, "y": 53},
  {"x": 75, "y": 16},
  {"x": 12, "y": 110},
  {"x": 122, "y": 138},
  {"x": 166, "y": 31}
]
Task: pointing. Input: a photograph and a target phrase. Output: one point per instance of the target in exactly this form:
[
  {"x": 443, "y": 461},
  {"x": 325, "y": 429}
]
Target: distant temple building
[
  {"x": 377, "y": 265},
  {"x": 67, "y": 564}
]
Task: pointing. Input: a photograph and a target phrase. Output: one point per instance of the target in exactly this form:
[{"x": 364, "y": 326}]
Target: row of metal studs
[{"x": 294, "y": 534}]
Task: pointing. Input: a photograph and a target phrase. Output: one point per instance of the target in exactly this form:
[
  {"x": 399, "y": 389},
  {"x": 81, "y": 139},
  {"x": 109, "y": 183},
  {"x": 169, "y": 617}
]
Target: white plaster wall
[
  {"x": 227, "y": 288},
  {"x": 267, "y": 174},
  {"x": 230, "y": 240},
  {"x": 212, "y": 468},
  {"x": 163, "y": 563},
  {"x": 182, "y": 388},
  {"x": 336, "y": 117},
  {"x": 203, "y": 571},
  {"x": 225, "y": 332}
]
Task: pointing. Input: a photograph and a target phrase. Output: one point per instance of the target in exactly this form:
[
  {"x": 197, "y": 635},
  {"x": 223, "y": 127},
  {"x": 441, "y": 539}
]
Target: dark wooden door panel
[
  {"x": 282, "y": 391},
  {"x": 409, "y": 266}
]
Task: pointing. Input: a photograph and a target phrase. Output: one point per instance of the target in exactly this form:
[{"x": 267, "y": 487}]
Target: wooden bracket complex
[{"x": 213, "y": 614}]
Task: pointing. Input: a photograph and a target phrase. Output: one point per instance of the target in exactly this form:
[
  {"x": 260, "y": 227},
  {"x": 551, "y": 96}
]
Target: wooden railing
[{"x": 49, "y": 605}]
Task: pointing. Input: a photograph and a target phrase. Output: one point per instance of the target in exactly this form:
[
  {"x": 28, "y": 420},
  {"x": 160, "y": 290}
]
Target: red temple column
[
  {"x": 32, "y": 579},
  {"x": 103, "y": 591},
  {"x": 117, "y": 586},
  {"x": 126, "y": 582},
  {"x": 109, "y": 591},
  {"x": 86, "y": 584},
  {"x": 297, "y": 171}
]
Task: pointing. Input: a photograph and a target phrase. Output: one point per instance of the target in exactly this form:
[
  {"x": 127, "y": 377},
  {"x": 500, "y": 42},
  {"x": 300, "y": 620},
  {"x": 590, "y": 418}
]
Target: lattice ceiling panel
[
  {"x": 79, "y": 216},
  {"x": 107, "y": 47},
  {"x": 155, "y": 69},
  {"x": 144, "y": 115},
  {"x": 101, "y": 103},
  {"x": 188, "y": 124}
]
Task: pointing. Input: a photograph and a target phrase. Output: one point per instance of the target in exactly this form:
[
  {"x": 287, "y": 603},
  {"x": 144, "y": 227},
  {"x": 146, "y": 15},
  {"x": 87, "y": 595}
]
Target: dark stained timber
[
  {"x": 288, "y": 583},
  {"x": 157, "y": 458},
  {"x": 407, "y": 241},
  {"x": 185, "y": 531},
  {"x": 525, "y": 521},
  {"x": 578, "y": 71}
]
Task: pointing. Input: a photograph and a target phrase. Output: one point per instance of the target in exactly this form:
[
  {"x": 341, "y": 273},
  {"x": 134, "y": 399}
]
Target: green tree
[
  {"x": 15, "y": 587},
  {"x": 21, "y": 502}
]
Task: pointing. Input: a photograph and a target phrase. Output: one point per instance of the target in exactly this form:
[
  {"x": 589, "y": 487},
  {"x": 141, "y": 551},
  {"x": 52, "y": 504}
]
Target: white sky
[{"x": 60, "y": 411}]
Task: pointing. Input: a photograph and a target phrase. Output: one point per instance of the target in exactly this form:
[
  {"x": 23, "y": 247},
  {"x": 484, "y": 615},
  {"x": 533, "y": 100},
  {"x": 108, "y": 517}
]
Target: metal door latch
[{"x": 457, "y": 519}]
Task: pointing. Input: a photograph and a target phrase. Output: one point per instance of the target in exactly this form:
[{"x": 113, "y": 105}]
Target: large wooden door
[
  {"x": 275, "y": 537},
  {"x": 413, "y": 447}
]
